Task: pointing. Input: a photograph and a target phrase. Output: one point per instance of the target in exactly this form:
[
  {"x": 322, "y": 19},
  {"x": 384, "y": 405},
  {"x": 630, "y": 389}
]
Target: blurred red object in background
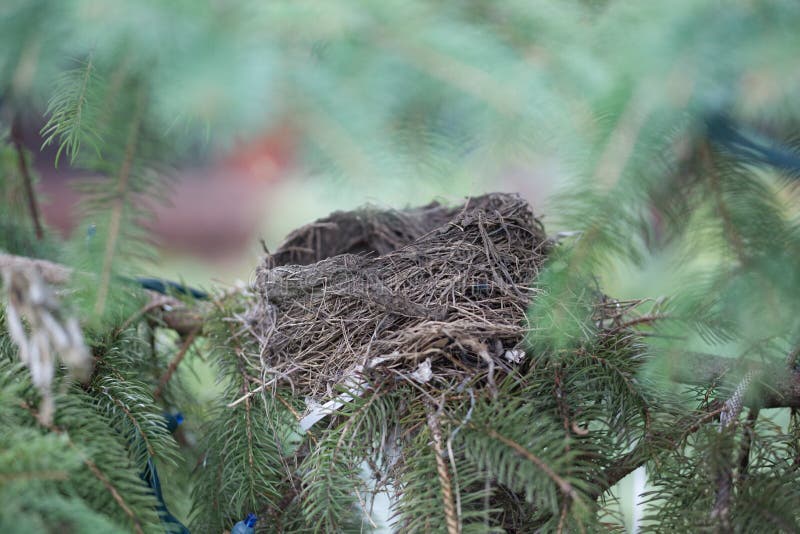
[
  {"x": 264, "y": 158},
  {"x": 213, "y": 212}
]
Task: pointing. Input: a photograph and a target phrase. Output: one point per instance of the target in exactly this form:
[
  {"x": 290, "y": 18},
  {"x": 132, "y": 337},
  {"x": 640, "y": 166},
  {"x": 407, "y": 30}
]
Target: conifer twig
[
  {"x": 173, "y": 313},
  {"x": 114, "y": 493},
  {"x": 565, "y": 487},
  {"x": 123, "y": 179},
  {"x": 98, "y": 474},
  {"x": 747, "y": 442},
  {"x": 720, "y": 513},
  {"x": 778, "y": 387},
  {"x": 444, "y": 476},
  {"x": 639, "y": 455},
  {"x": 27, "y": 180},
  {"x": 173, "y": 365}
]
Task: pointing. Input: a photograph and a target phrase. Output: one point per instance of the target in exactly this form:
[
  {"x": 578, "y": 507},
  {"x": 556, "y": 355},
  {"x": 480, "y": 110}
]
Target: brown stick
[
  {"x": 33, "y": 207},
  {"x": 774, "y": 385},
  {"x": 639, "y": 455},
  {"x": 173, "y": 313},
  {"x": 173, "y": 365},
  {"x": 451, "y": 517},
  {"x": 747, "y": 443}
]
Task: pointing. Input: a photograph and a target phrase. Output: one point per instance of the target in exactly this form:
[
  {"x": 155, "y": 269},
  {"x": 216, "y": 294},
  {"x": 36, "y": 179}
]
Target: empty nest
[{"x": 436, "y": 295}]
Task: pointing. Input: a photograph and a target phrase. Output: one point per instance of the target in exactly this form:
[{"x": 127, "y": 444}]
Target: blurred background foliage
[
  {"x": 393, "y": 102},
  {"x": 184, "y": 126}
]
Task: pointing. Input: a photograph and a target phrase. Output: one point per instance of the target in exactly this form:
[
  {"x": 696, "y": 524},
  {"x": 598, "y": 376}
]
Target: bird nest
[{"x": 436, "y": 295}]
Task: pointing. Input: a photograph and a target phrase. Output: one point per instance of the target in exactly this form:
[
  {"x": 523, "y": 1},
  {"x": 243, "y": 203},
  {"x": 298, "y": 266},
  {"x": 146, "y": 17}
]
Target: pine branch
[
  {"x": 68, "y": 110},
  {"x": 565, "y": 487},
  {"x": 163, "y": 309},
  {"x": 723, "y": 496},
  {"x": 643, "y": 451},
  {"x": 778, "y": 386},
  {"x": 747, "y": 442},
  {"x": 453, "y": 524},
  {"x": 128, "y": 405},
  {"x": 115, "y": 494},
  {"x": 119, "y": 202},
  {"x": 173, "y": 365},
  {"x": 730, "y": 229},
  {"x": 98, "y": 474},
  {"x": 27, "y": 180},
  {"x": 243, "y": 467}
]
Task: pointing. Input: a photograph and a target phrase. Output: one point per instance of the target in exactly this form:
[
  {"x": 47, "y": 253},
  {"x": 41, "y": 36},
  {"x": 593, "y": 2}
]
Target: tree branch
[
  {"x": 775, "y": 385},
  {"x": 27, "y": 180},
  {"x": 173, "y": 365},
  {"x": 171, "y": 312},
  {"x": 655, "y": 440}
]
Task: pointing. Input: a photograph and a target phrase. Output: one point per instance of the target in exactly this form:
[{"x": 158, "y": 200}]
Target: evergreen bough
[{"x": 672, "y": 124}]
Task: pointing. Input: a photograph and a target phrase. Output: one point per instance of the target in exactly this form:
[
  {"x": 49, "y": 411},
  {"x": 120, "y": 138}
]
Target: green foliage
[
  {"x": 120, "y": 399},
  {"x": 71, "y": 114},
  {"x": 17, "y": 234},
  {"x": 330, "y": 480},
  {"x": 76, "y": 473},
  {"x": 767, "y": 486},
  {"x": 241, "y": 469},
  {"x": 398, "y": 100},
  {"x": 420, "y": 506}
]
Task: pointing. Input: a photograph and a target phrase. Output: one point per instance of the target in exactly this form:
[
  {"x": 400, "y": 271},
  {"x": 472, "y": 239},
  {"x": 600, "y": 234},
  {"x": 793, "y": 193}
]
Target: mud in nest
[{"x": 437, "y": 295}]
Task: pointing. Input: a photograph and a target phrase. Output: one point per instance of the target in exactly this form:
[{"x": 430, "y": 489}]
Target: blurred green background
[{"x": 252, "y": 118}]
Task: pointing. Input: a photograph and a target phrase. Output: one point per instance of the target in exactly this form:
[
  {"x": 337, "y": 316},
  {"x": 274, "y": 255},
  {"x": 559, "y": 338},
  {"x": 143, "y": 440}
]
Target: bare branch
[
  {"x": 774, "y": 385},
  {"x": 173, "y": 365},
  {"x": 171, "y": 312},
  {"x": 27, "y": 180}
]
